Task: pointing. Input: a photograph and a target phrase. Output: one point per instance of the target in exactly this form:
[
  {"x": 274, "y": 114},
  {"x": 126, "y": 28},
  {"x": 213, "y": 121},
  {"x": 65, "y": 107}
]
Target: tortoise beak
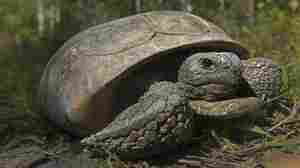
[
  {"x": 217, "y": 92},
  {"x": 231, "y": 108}
]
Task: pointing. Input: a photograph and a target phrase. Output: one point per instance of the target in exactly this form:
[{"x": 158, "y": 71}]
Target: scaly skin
[
  {"x": 159, "y": 121},
  {"x": 263, "y": 76},
  {"x": 163, "y": 117},
  {"x": 262, "y": 79}
]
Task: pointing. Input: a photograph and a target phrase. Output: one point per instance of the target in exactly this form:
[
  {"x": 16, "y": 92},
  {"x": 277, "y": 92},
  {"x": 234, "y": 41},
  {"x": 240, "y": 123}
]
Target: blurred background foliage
[{"x": 32, "y": 30}]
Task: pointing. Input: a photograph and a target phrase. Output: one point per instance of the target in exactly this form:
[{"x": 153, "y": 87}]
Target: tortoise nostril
[{"x": 206, "y": 62}]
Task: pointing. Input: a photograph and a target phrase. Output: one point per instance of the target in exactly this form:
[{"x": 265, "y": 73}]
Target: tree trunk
[
  {"x": 19, "y": 47},
  {"x": 222, "y": 5},
  {"x": 172, "y": 5},
  {"x": 293, "y": 5},
  {"x": 51, "y": 18},
  {"x": 88, "y": 13},
  {"x": 40, "y": 14},
  {"x": 186, "y": 5},
  {"x": 136, "y": 6},
  {"x": 91, "y": 12},
  {"x": 247, "y": 11}
]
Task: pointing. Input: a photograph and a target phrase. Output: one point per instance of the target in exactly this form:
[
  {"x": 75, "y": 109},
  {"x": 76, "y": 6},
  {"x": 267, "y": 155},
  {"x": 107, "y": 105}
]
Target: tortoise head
[{"x": 214, "y": 73}]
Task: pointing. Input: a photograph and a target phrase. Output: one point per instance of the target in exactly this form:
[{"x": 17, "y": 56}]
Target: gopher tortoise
[{"x": 139, "y": 81}]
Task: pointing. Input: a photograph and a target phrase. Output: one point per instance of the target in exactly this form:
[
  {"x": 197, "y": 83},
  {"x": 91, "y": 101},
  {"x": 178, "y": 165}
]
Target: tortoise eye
[{"x": 206, "y": 63}]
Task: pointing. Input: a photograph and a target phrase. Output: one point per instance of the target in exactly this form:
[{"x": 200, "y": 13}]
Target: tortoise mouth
[
  {"x": 214, "y": 91},
  {"x": 217, "y": 92},
  {"x": 224, "y": 101}
]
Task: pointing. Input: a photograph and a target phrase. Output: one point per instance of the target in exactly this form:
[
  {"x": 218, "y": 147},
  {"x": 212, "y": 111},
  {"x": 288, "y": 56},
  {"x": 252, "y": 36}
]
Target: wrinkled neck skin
[
  {"x": 209, "y": 92},
  {"x": 210, "y": 76},
  {"x": 190, "y": 91}
]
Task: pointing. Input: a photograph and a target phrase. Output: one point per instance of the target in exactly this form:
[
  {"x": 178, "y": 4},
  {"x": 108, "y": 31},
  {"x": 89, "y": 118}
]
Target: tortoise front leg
[{"x": 158, "y": 122}]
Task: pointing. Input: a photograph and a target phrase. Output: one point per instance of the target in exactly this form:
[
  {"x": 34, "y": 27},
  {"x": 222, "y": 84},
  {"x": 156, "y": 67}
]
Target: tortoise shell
[{"x": 77, "y": 89}]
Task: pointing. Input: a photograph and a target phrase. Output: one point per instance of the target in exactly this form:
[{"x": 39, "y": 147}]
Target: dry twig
[{"x": 291, "y": 117}]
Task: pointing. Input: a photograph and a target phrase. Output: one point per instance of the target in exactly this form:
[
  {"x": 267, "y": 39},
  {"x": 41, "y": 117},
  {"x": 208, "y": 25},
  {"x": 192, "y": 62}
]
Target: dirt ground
[{"x": 34, "y": 143}]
